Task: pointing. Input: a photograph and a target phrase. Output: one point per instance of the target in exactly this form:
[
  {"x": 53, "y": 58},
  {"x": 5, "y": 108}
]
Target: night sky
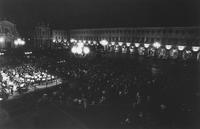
[{"x": 66, "y": 14}]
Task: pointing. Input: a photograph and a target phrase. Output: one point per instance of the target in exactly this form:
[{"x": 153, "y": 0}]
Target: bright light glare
[
  {"x": 80, "y": 44},
  {"x": 168, "y": 47},
  {"x": 157, "y": 45},
  {"x": 2, "y": 39},
  {"x": 120, "y": 43},
  {"x": 73, "y": 50},
  {"x": 104, "y": 42},
  {"x": 19, "y": 42},
  {"x": 131, "y": 50},
  {"x": 113, "y": 43},
  {"x": 86, "y": 50},
  {"x": 22, "y": 42},
  {"x": 137, "y": 44},
  {"x": 195, "y": 48},
  {"x": 72, "y": 40},
  {"x": 188, "y": 52},
  {"x": 128, "y": 44},
  {"x": 146, "y": 45},
  {"x": 79, "y": 50},
  {"x": 94, "y": 42},
  {"x": 181, "y": 48}
]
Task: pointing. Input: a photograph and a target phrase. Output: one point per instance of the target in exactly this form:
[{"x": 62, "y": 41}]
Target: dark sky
[{"x": 64, "y": 14}]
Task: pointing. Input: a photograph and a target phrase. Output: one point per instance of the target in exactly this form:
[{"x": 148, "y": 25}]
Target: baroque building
[
  {"x": 8, "y": 34},
  {"x": 59, "y": 36},
  {"x": 42, "y": 36},
  {"x": 164, "y": 42}
]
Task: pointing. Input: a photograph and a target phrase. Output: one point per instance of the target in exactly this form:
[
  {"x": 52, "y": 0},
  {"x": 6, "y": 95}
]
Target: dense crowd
[
  {"x": 141, "y": 87},
  {"x": 21, "y": 78}
]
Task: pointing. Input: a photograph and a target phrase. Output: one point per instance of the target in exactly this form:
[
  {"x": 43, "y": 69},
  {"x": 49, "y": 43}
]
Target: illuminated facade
[
  {"x": 59, "y": 36},
  {"x": 8, "y": 34},
  {"x": 42, "y": 36},
  {"x": 162, "y": 42}
]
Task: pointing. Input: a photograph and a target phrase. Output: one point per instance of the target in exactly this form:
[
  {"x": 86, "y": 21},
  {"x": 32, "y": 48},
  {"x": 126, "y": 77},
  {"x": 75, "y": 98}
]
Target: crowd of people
[
  {"x": 140, "y": 86},
  {"x": 21, "y": 78}
]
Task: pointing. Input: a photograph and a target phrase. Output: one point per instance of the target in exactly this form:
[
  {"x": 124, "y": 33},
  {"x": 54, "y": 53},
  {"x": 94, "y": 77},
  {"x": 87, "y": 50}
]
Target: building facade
[
  {"x": 59, "y": 36},
  {"x": 8, "y": 34},
  {"x": 41, "y": 36},
  {"x": 164, "y": 42}
]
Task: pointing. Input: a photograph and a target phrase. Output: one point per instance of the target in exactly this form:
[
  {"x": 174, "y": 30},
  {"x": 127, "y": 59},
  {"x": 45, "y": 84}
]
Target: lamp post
[
  {"x": 2, "y": 39},
  {"x": 104, "y": 43},
  {"x": 19, "y": 42},
  {"x": 156, "y": 45}
]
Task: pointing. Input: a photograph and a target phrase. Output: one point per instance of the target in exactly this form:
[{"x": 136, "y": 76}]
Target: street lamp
[
  {"x": 195, "y": 48},
  {"x": 86, "y": 50},
  {"x": 168, "y": 47},
  {"x": 137, "y": 44},
  {"x": 146, "y": 45},
  {"x": 2, "y": 39},
  {"x": 113, "y": 43},
  {"x": 128, "y": 44},
  {"x": 80, "y": 44},
  {"x": 104, "y": 43},
  {"x": 72, "y": 40},
  {"x": 94, "y": 42},
  {"x": 181, "y": 48},
  {"x": 120, "y": 43},
  {"x": 157, "y": 45},
  {"x": 19, "y": 42},
  {"x": 73, "y": 50}
]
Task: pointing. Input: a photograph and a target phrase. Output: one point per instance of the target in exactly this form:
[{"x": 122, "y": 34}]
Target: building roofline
[{"x": 122, "y": 28}]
